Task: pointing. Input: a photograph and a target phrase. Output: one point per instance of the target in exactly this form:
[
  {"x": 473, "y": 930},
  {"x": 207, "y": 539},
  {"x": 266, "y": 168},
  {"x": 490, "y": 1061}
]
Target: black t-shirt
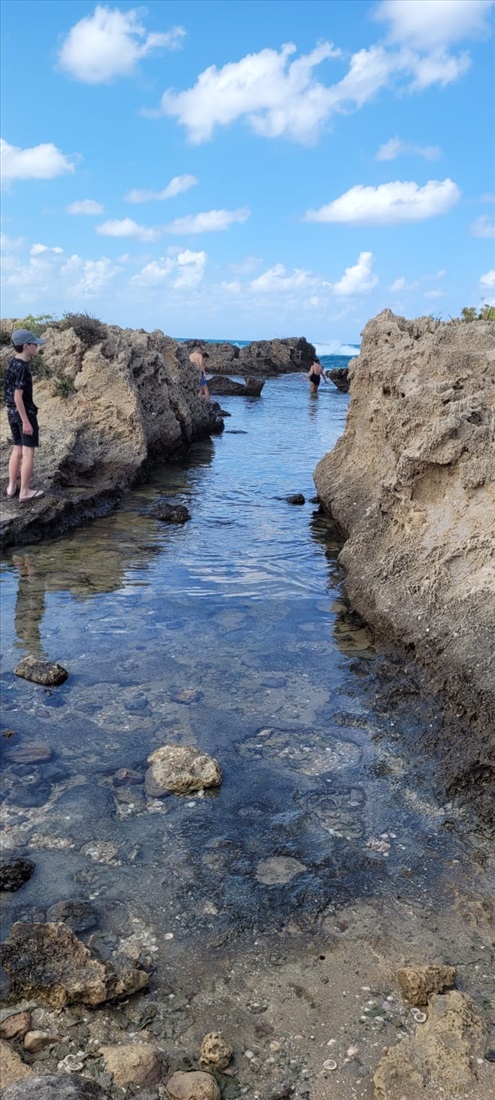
[{"x": 18, "y": 377}]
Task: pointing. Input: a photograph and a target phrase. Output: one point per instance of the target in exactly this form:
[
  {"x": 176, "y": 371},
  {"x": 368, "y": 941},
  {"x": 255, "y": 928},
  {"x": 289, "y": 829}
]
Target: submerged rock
[
  {"x": 41, "y": 672},
  {"x": 170, "y": 513},
  {"x": 181, "y": 769},
  {"x": 226, "y": 387},
  {"x": 49, "y": 963},
  {"x": 14, "y": 871},
  {"x": 80, "y": 915},
  {"x": 296, "y": 498}
]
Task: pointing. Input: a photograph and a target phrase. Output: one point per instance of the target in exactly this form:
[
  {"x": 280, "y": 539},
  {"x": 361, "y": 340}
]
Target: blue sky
[{"x": 248, "y": 169}]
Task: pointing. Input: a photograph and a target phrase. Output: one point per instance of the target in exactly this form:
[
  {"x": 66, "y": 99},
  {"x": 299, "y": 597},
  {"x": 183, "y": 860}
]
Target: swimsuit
[{"x": 315, "y": 379}]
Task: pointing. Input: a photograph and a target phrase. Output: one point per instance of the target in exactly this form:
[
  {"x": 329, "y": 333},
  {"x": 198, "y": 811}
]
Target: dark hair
[{"x": 18, "y": 347}]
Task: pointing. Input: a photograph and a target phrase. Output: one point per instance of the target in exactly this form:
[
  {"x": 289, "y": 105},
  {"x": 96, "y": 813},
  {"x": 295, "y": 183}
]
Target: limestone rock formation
[
  {"x": 49, "y": 963},
  {"x": 340, "y": 378},
  {"x": 41, "y": 672},
  {"x": 216, "y": 1052},
  {"x": 133, "y": 1064},
  {"x": 192, "y": 1085},
  {"x": 262, "y": 357},
  {"x": 412, "y": 484},
  {"x": 104, "y": 412},
  {"x": 442, "y": 1052},
  {"x": 12, "y": 1068}
]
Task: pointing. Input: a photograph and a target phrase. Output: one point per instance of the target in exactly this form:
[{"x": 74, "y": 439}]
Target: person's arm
[{"x": 27, "y": 427}]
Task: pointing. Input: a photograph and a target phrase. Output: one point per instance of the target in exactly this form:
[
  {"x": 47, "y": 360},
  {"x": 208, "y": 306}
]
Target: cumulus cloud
[
  {"x": 88, "y": 277},
  {"x": 389, "y": 203},
  {"x": 126, "y": 227},
  {"x": 358, "y": 279},
  {"x": 483, "y": 227},
  {"x": 488, "y": 280},
  {"x": 110, "y": 43},
  {"x": 176, "y": 187},
  {"x": 210, "y": 221},
  {"x": 276, "y": 95},
  {"x": 40, "y": 162},
  {"x": 396, "y": 147},
  {"x": 183, "y": 271},
  {"x": 277, "y": 279},
  {"x": 85, "y": 206},
  {"x": 40, "y": 249},
  {"x": 435, "y": 23}
]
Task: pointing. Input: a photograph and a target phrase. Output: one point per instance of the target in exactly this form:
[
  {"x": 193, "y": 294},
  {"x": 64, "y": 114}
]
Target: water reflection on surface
[{"x": 230, "y": 633}]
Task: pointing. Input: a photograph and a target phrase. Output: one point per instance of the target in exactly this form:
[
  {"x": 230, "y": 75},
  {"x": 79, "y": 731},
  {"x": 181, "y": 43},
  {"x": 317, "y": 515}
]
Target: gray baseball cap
[{"x": 23, "y": 336}]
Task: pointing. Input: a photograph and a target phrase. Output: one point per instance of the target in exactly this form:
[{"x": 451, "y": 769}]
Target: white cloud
[
  {"x": 176, "y": 186},
  {"x": 91, "y": 276},
  {"x": 39, "y": 249},
  {"x": 435, "y": 293},
  {"x": 277, "y": 279},
  {"x": 426, "y": 24},
  {"x": 437, "y": 67},
  {"x": 402, "y": 284},
  {"x": 85, "y": 206},
  {"x": 488, "y": 280},
  {"x": 275, "y": 95},
  {"x": 185, "y": 270},
  {"x": 483, "y": 227},
  {"x": 210, "y": 221},
  {"x": 246, "y": 266},
  {"x": 10, "y": 244},
  {"x": 126, "y": 227},
  {"x": 396, "y": 147},
  {"x": 40, "y": 162},
  {"x": 358, "y": 279},
  {"x": 389, "y": 203},
  {"x": 110, "y": 43}
]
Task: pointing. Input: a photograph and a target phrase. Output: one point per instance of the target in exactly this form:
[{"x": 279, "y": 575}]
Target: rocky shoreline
[
  {"x": 411, "y": 483},
  {"x": 111, "y": 402}
]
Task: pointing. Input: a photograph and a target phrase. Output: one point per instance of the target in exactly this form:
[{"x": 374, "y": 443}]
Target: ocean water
[{"x": 230, "y": 633}]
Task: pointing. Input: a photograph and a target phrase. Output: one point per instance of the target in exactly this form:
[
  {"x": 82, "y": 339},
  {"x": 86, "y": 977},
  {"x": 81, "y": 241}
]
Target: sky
[{"x": 248, "y": 169}]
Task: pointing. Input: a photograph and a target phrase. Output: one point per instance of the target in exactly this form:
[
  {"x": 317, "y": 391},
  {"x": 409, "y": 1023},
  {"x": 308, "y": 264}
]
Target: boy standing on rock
[
  {"x": 198, "y": 357},
  {"x": 21, "y": 412}
]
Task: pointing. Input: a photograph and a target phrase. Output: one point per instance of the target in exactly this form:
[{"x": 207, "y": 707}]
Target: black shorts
[{"x": 19, "y": 439}]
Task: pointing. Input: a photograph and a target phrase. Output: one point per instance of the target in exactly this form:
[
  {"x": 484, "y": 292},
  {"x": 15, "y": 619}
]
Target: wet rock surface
[
  {"x": 417, "y": 984},
  {"x": 15, "y": 870},
  {"x": 224, "y": 386},
  {"x": 340, "y": 378},
  {"x": 261, "y": 357},
  {"x": 181, "y": 770},
  {"x": 170, "y": 513}
]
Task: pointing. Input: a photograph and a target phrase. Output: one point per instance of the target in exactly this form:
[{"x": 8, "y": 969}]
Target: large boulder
[
  {"x": 227, "y": 387},
  {"x": 412, "y": 485}
]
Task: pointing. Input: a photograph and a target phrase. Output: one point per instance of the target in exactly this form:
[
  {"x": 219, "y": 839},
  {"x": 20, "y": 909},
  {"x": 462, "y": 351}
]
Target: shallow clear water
[{"x": 229, "y": 633}]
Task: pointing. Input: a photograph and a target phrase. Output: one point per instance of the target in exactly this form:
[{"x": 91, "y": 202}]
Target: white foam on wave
[{"x": 334, "y": 347}]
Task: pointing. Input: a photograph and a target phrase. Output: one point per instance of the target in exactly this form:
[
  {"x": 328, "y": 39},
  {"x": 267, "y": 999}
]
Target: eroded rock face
[
  {"x": 49, "y": 963},
  {"x": 442, "y": 1052},
  {"x": 418, "y": 983},
  {"x": 55, "y": 1087},
  {"x": 39, "y": 671},
  {"x": 412, "y": 484},
  {"x": 180, "y": 769}
]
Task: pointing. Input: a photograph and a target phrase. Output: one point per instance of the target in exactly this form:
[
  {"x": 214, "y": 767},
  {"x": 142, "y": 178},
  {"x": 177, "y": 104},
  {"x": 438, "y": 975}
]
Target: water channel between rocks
[{"x": 230, "y": 633}]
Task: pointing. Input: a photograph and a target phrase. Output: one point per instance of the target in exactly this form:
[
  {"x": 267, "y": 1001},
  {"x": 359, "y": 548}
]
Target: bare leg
[
  {"x": 26, "y": 473},
  {"x": 14, "y": 467}
]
